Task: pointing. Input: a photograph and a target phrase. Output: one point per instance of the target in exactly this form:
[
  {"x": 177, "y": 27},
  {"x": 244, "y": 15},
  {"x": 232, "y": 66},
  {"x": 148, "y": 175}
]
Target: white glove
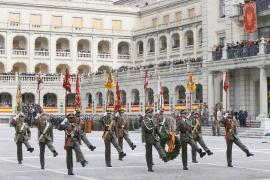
[
  {"x": 64, "y": 122},
  {"x": 188, "y": 116},
  {"x": 226, "y": 115},
  {"x": 143, "y": 143}
]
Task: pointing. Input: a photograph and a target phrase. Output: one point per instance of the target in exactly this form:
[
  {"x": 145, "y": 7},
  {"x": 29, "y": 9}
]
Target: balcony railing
[
  {"x": 2, "y": 51},
  {"x": 84, "y": 54},
  {"x": 163, "y": 51},
  {"x": 123, "y": 56},
  {"x": 19, "y": 52},
  {"x": 245, "y": 51},
  {"x": 104, "y": 55},
  {"x": 61, "y": 53},
  {"x": 41, "y": 53},
  {"x": 217, "y": 55},
  {"x": 175, "y": 49}
]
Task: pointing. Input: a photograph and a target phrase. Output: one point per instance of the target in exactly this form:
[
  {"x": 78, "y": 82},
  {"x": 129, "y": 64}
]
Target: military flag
[
  {"x": 77, "y": 96},
  {"x": 118, "y": 98},
  {"x": 226, "y": 84},
  {"x": 145, "y": 80},
  {"x": 109, "y": 84},
  {"x": 191, "y": 86},
  {"x": 19, "y": 99},
  {"x": 250, "y": 17},
  {"x": 66, "y": 83}
]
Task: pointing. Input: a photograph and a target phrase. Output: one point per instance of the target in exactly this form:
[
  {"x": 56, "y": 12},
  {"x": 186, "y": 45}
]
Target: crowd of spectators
[{"x": 5, "y": 104}]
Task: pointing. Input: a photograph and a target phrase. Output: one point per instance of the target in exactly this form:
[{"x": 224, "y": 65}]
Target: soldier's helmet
[{"x": 149, "y": 110}]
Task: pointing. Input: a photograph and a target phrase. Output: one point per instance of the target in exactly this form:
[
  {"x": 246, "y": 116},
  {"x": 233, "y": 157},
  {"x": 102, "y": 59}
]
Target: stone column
[
  {"x": 182, "y": 43},
  {"x": 263, "y": 93},
  {"x": 224, "y": 53},
  {"x": 210, "y": 92},
  {"x": 225, "y": 96}
]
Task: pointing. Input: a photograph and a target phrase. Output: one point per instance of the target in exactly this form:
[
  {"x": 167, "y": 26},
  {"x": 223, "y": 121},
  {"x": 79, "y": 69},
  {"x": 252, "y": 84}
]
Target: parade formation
[{"x": 168, "y": 134}]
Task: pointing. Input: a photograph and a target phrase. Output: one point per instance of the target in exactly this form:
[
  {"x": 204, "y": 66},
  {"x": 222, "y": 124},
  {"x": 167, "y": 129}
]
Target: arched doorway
[
  {"x": 180, "y": 94},
  {"x": 62, "y": 47},
  {"x": 83, "y": 69},
  {"x": 50, "y": 100},
  {"x": 70, "y": 100},
  {"x": 28, "y": 98},
  {"x": 41, "y": 46},
  {"x": 5, "y": 100},
  {"x": 41, "y": 68},
  {"x": 19, "y": 46},
  {"x": 99, "y": 99},
  {"x": 61, "y": 68},
  {"x": 123, "y": 97},
  {"x": 135, "y": 95},
  {"x": 149, "y": 96},
  {"x": 19, "y": 68}
]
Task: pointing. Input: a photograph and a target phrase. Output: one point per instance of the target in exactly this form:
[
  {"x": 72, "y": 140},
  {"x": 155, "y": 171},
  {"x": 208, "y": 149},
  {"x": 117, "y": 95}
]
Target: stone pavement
[{"x": 134, "y": 166}]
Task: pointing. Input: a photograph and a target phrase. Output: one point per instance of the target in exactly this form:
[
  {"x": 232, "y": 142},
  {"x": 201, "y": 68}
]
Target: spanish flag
[
  {"x": 19, "y": 99},
  {"x": 109, "y": 84},
  {"x": 191, "y": 86}
]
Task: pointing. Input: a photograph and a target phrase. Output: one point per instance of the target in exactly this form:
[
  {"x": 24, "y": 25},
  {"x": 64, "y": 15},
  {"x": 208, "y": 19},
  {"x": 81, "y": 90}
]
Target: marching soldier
[
  {"x": 197, "y": 135},
  {"x": 72, "y": 142},
  {"x": 122, "y": 131},
  {"x": 186, "y": 137},
  {"x": 81, "y": 124},
  {"x": 150, "y": 138},
  {"x": 109, "y": 136},
  {"x": 45, "y": 137},
  {"x": 231, "y": 137},
  {"x": 164, "y": 124},
  {"x": 22, "y": 135}
]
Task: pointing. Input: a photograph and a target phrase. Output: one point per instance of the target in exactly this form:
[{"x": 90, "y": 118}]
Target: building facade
[{"x": 169, "y": 38}]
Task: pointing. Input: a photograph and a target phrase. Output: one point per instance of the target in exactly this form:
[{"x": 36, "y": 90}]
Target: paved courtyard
[{"x": 134, "y": 165}]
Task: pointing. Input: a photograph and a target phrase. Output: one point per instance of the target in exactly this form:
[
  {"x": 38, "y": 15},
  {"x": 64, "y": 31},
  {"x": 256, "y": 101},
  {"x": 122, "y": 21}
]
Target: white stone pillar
[
  {"x": 262, "y": 47},
  {"x": 195, "y": 35},
  {"x": 263, "y": 93},
  {"x": 224, "y": 53},
  {"x": 210, "y": 92},
  {"x": 225, "y": 96},
  {"x": 182, "y": 43},
  {"x": 156, "y": 48},
  {"x": 94, "y": 51},
  {"x": 74, "y": 55},
  {"x": 169, "y": 46},
  {"x": 52, "y": 51},
  {"x": 8, "y": 49}
]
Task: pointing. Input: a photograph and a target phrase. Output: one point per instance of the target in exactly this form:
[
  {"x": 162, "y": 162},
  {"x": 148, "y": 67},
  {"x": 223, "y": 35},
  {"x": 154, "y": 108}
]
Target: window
[
  {"x": 154, "y": 22},
  {"x": 77, "y": 22},
  {"x": 97, "y": 24},
  {"x": 116, "y": 25},
  {"x": 222, "y": 40},
  {"x": 191, "y": 13},
  {"x": 221, "y": 8},
  {"x": 14, "y": 19},
  {"x": 189, "y": 38},
  {"x": 166, "y": 19},
  {"x": 57, "y": 21},
  {"x": 35, "y": 20},
  {"x": 178, "y": 16}
]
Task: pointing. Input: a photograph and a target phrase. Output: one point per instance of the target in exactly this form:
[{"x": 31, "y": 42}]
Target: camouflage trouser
[
  {"x": 19, "y": 149},
  {"x": 42, "y": 146},
  {"x": 216, "y": 128},
  {"x": 110, "y": 139},
  {"x": 229, "y": 148}
]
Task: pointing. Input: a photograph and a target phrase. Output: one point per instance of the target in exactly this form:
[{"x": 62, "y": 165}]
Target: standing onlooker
[
  {"x": 241, "y": 117},
  {"x": 245, "y": 116}
]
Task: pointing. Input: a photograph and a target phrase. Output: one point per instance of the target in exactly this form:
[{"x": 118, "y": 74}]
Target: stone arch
[
  {"x": 41, "y": 44},
  {"x": 104, "y": 68},
  {"x": 180, "y": 92},
  {"x": 50, "y": 100},
  {"x": 151, "y": 45},
  {"x": 104, "y": 47},
  {"x": 149, "y": 96},
  {"x": 83, "y": 69},
  {"x": 99, "y": 99},
  {"x": 83, "y": 45},
  {"x": 5, "y": 99},
  {"x": 70, "y": 100},
  {"x": 175, "y": 41},
  {"x": 110, "y": 101},
  {"x": 61, "y": 68},
  {"x": 89, "y": 98},
  {"x": 189, "y": 37},
  {"x": 41, "y": 67},
  {"x": 199, "y": 93},
  {"x": 28, "y": 98},
  {"x": 19, "y": 68},
  {"x": 123, "y": 96},
  {"x": 62, "y": 44},
  {"x": 2, "y": 44},
  {"x": 140, "y": 47},
  {"x": 124, "y": 48},
  {"x": 135, "y": 97},
  {"x": 166, "y": 95},
  {"x": 163, "y": 43},
  {"x": 2, "y": 67}
]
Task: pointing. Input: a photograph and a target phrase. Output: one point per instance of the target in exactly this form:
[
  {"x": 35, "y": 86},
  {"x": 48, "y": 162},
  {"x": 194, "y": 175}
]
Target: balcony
[
  {"x": 217, "y": 55},
  {"x": 42, "y": 53},
  {"x": 84, "y": 55},
  {"x": 19, "y": 52},
  {"x": 104, "y": 55},
  {"x": 63, "y": 53},
  {"x": 262, "y": 5},
  {"x": 124, "y": 56}
]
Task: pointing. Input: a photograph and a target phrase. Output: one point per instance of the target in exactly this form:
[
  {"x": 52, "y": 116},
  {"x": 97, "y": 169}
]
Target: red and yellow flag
[
  {"x": 250, "y": 17},
  {"x": 226, "y": 84},
  {"x": 118, "y": 98},
  {"x": 78, "y": 103},
  {"x": 191, "y": 86},
  {"x": 109, "y": 84},
  {"x": 19, "y": 99},
  {"x": 66, "y": 83}
]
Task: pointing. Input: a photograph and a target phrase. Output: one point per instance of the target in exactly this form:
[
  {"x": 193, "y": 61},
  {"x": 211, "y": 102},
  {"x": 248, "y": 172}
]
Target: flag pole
[
  {"x": 66, "y": 103},
  {"x": 190, "y": 106}
]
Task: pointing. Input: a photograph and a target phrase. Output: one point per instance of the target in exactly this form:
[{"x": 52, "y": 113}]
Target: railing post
[
  {"x": 224, "y": 53},
  {"x": 262, "y": 46}
]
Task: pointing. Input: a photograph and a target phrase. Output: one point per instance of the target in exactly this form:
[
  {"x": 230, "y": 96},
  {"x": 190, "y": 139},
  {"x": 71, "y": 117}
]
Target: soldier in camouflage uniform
[
  {"x": 72, "y": 142},
  {"x": 150, "y": 138},
  {"x": 22, "y": 135},
  {"x": 122, "y": 130},
  {"x": 197, "y": 135},
  {"x": 109, "y": 136},
  {"x": 185, "y": 128},
  {"x": 231, "y": 137},
  {"x": 45, "y": 137}
]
